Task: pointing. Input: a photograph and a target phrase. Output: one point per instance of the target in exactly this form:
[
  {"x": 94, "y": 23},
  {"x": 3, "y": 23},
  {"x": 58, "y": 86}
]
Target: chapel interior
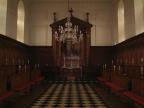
[{"x": 71, "y": 53}]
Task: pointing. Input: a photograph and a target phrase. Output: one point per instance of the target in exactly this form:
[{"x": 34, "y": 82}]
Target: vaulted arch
[
  {"x": 3, "y": 15},
  {"x": 121, "y": 21},
  {"x": 20, "y": 21}
]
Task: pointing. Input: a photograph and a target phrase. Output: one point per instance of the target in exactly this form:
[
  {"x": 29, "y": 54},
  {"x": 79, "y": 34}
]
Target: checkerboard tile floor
[{"x": 69, "y": 95}]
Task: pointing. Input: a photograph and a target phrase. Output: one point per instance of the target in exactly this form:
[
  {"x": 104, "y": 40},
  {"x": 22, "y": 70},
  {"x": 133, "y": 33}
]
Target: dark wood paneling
[
  {"x": 14, "y": 67},
  {"x": 42, "y": 55},
  {"x": 129, "y": 63},
  {"x": 131, "y": 51},
  {"x": 100, "y": 55},
  {"x": 15, "y": 64},
  {"x": 127, "y": 54}
]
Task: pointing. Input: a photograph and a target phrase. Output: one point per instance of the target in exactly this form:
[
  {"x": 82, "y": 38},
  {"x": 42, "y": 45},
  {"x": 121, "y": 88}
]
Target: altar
[{"x": 71, "y": 69}]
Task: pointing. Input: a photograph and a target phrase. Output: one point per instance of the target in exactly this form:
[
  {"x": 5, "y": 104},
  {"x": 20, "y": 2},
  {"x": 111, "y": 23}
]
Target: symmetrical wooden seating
[
  {"x": 16, "y": 70},
  {"x": 125, "y": 75}
]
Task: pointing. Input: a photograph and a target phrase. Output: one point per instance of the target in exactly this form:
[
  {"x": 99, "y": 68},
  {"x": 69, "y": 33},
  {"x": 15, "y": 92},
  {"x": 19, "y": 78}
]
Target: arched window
[
  {"x": 139, "y": 16},
  {"x": 121, "y": 21},
  {"x": 20, "y": 21},
  {"x": 3, "y": 15}
]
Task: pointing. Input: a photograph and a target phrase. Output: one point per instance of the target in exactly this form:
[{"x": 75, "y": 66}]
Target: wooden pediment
[{"x": 75, "y": 21}]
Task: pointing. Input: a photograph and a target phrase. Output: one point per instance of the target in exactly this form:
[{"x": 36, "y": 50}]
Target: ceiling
[{"x": 71, "y": 0}]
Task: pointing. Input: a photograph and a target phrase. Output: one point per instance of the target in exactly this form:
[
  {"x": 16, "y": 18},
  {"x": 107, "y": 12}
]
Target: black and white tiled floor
[{"x": 69, "y": 95}]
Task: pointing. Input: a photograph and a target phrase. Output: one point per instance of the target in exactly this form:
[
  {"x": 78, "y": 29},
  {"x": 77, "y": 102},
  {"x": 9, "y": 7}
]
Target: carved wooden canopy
[{"x": 76, "y": 21}]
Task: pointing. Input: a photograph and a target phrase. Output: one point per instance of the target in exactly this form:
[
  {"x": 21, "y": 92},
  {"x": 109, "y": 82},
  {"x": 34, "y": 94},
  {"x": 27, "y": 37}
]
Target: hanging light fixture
[{"x": 69, "y": 31}]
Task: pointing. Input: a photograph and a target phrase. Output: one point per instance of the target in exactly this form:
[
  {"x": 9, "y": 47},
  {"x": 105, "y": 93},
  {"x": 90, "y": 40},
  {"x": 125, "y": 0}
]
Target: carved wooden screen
[{"x": 79, "y": 51}]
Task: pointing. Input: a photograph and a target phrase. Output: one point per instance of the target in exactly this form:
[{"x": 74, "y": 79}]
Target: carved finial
[
  {"x": 87, "y": 16},
  {"x": 71, "y": 12},
  {"x": 54, "y": 14}
]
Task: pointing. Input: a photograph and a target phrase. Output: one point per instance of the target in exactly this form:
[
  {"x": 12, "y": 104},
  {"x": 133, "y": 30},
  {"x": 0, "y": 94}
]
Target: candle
[
  {"x": 38, "y": 66},
  {"x": 105, "y": 66},
  {"x": 114, "y": 67},
  {"x": 19, "y": 66},
  {"x": 119, "y": 67},
  {"x": 142, "y": 59},
  {"x": 35, "y": 66}
]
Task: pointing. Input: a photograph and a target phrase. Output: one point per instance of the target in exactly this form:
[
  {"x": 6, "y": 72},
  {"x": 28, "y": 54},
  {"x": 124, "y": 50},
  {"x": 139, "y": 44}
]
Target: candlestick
[
  {"x": 105, "y": 66},
  {"x": 119, "y": 67},
  {"x": 19, "y": 67},
  {"x": 28, "y": 61},
  {"x": 35, "y": 66},
  {"x": 142, "y": 59},
  {"x": 114, "y": 67},
  {"x": 38, "y": 66}
]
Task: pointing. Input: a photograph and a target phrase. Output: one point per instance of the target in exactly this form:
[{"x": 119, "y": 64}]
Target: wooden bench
[
  {"x": 6, "y": 95},
  {"x": 37, "y": 80},
  {"x": 102, "y": 80},
  {"x": 22, "y": 87},
  {"x": 114, "y": 87},
  {"x": 137, "y": 99}
]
